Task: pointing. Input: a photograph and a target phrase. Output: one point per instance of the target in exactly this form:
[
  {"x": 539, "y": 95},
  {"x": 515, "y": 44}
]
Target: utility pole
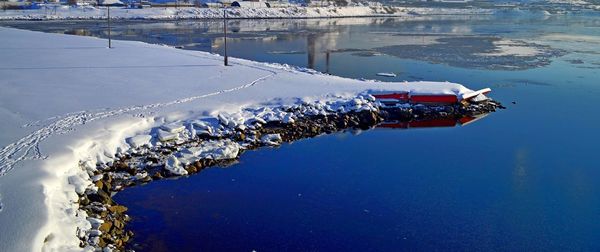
[
  {"x": 225, "y": 34},
  {"x": 109, "y": 39}
]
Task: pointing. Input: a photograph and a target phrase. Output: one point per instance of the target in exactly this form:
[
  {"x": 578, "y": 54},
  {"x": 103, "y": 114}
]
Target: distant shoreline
[{"x": 196, "y": 13}]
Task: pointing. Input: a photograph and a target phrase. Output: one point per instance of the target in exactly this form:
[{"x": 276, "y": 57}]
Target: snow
[
  {"x": 157, "y": 13},
  {"x": 508, "y": 47},
  {"x": 386, "y": 74},
  {"x": 174, "y": 166},
  {"x": 271, "y": 139},
  {"x": 111, "y": 2},
  {"x": 139, "y": 140},
  {"x": 69, "y": 102}
]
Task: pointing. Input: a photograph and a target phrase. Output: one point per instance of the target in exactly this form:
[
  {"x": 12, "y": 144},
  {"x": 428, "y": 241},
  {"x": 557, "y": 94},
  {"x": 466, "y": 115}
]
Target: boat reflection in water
[{"x": 432, "y": 123}]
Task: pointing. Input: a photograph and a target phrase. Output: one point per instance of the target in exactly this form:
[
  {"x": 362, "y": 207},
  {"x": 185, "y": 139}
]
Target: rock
[
  {"x": 100, "y": 185},
  {"x": 241, "y": 136},
  {"x": 105, "y": 227},
  {"x": 95, "y": 232},
  {"x": 118, "y": 209},
  {"x": 84, "y": 200},
  {"x": 101, "y": 197},
  {"x": 157, "y": 175},
  {"x": 118, "y": 224},
  {"x": 191, "y": 169},
  {"x": 101, "y": 242}
]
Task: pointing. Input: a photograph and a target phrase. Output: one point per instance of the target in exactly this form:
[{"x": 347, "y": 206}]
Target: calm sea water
[{"x": 525, "y": 178}]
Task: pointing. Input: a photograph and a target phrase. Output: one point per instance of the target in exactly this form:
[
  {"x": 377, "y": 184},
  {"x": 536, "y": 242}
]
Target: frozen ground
[
  {"x": 67, "y": 99},
  {"x": 88, "y": 12}
]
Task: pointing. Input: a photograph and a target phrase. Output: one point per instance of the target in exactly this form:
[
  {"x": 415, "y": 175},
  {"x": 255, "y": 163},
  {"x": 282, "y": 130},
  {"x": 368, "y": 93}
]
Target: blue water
[
  {"x": 524, "y": 178},
  {"x": 384, "y": 190}
]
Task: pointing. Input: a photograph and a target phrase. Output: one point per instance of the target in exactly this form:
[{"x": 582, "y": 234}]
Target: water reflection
[
  {"x": 432, "y": 123},
  {"x": 520, "y": 171},
  {"x": 481, "y": 42}
]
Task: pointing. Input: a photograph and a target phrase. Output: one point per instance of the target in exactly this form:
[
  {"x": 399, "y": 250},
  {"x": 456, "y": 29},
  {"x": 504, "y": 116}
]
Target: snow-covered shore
[
  {"x": 67, "y": 99},
  {"x": 87, "y": 12}
]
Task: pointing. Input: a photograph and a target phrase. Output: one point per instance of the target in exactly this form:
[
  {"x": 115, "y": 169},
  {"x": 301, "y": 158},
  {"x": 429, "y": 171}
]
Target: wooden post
[
  {"x": 109, "y": 38},
  {"x": 225, "y": 35}
]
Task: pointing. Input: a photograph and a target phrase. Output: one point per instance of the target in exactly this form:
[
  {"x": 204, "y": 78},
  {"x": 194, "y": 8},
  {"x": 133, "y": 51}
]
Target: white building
[{"x": 250, "y": 4}]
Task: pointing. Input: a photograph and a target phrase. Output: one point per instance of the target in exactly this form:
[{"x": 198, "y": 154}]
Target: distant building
[
  {"x": 83, "y": 2},
  {"x": 226, "y": 3},
  {"x": 174, "y": 4},
  {"x": 111, "y": 3},
  {"x": 280, "y": 4},
  {"x": 320, "y": 3},
  {"x": 252, "y": 4}
]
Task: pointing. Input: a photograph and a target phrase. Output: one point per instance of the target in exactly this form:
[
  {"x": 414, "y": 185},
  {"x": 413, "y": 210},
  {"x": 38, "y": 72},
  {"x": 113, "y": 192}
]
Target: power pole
[
  {"x": 225, "y": 34},
  {"x": 109, "y": 39}
]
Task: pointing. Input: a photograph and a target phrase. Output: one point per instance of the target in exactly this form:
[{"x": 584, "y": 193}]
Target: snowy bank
[
  {"x": 69, "y": 101},
  {"x": 88, "y": 12}
]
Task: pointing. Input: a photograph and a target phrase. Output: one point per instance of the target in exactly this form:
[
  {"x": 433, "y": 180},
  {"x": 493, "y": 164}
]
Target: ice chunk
[
  {"x": 386, "y": 74},
  {"x": 200, "y": 124},
  {"x": 165, "y": 136},
  {"x": 174, "y": 166},
  {"x": 480, "y": 98},
  {"x": 95, "y": 232},
  {"x": 259, "y": 120},
  {"x": 79, "y": 183},
  {"x": 217, "y": 150},
  {"x": 95, "y": 222},
  {"x": 271, "y": 139},
  {"x": 288, "y": 118},
  {"x": 173, "y": 127},
  {"x": 139, "y": 140},
  {"x": 97, "y": 177}
]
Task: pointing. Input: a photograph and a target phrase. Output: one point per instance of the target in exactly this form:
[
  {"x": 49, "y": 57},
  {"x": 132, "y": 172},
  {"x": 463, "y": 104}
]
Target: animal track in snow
[{"x": 27, "y": 148}]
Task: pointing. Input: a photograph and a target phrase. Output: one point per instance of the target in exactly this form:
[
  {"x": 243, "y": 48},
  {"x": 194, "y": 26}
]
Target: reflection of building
[
  {"x": 320, "y": 44},
  {"x": 311, "y": 50}
]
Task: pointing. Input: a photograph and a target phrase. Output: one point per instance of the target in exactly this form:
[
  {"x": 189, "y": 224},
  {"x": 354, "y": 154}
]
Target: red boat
[{"x": 407, "y": 97}]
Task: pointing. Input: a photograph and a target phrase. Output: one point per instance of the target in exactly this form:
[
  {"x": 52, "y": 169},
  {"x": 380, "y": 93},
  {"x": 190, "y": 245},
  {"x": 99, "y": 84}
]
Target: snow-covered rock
[
  {"x": 174, "y": 166},
  {"x": 271, "y": 139}
]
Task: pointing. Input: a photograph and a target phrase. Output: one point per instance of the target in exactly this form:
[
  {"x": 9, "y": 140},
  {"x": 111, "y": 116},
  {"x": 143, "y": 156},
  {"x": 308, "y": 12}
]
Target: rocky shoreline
[{"x": 171, "y": 157}]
